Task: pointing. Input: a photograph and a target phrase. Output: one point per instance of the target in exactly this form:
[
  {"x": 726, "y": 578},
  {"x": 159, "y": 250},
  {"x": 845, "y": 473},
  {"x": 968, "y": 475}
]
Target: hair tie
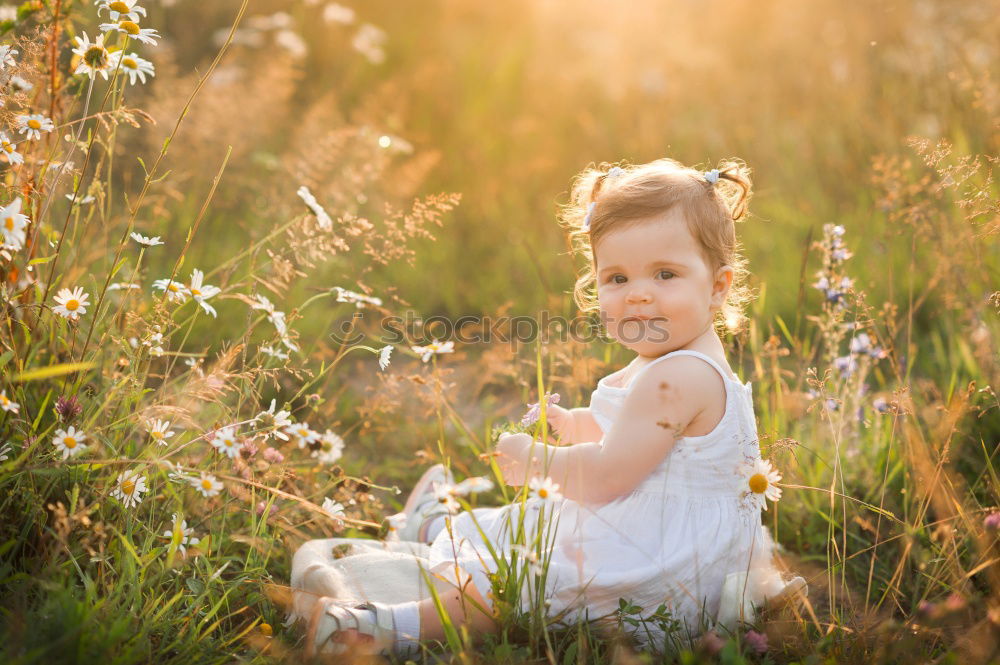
[
  {"x": 614, "y": 172},
  {"x": 712, "y": 176},
  {"x": 590, "y": 211}
]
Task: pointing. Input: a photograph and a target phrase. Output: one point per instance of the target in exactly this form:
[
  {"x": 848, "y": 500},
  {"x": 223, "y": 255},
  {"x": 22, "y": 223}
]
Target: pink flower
[
  {"x": 535, "y": 411},
  {"x": 272, "y": 455},
  {"x": 262, "y": 509},
  {"x": 711, "y": 643},
  {"x": 756, "y": 641},
  {"x": 992, "y": 522}
]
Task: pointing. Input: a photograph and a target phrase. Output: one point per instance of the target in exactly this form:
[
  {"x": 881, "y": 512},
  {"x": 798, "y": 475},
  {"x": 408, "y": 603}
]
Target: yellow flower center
[
  {"x": 8, "y": 147},
  {"x": 4, "y": 400},
  {"x": 543, "y": 493},
  {"x": 206, "y": 484},
  {"x": 130, "y": 63},
  {"x": 173, "y": 287},
  {"x": 72, "y": 304},
  {"x": 266, "y": 630},
  {"x": 119, "y": 6},
  {"x": 9, "y": 223},
  {"x": 228, "y": 442},
  {"x": 128, "y": 487},
  {"x": 129, "y": 27},
  {"x": 195, "y": 292},
  {"x": 156, "y": 434},
  {"x": 758, "y": 483},
  {"x": 34, "y": 124},
  {"x": 96, "y": 57},
  {"x": 303, "y": 433},
  {"x": 69, "y": 442}
]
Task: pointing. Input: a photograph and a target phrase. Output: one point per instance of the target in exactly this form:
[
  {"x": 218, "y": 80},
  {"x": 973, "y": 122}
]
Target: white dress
[{"x": 686, "y": 537}]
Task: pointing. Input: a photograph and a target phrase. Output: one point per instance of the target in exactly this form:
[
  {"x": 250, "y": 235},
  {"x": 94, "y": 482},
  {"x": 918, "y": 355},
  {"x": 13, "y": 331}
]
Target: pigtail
[{"x": 737, "y": 196}]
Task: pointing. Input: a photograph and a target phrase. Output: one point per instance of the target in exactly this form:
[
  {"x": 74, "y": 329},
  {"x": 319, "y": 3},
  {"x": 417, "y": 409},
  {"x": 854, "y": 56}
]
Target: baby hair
[{"x": 612, "y": 197}]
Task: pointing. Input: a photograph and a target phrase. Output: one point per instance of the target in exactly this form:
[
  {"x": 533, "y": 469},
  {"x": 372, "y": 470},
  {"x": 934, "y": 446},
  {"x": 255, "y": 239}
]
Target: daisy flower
[
  {"x": 133, "y": 65},
  {"x": 69, "y": 441},
  {"x": 359, "y": 299},
  {"x": 530, "y": 557},
  {"x": 273, "y": 421},
  {"x": 760, "y": 478},
  {"x": 225, "y": 441},
  {"x": 289, "y": 344},
  {"x": 302, "y": 434},
  {"x": 7, "y": 404},
  {"x": 544, "y": 490},
  {"x": 130, "y": 488},
  {"x": 201, "y": 292},
  {"x": 94, "y": 57},
  {"x": 132, "y": 29},
  {"x": 159, "y": 431},
  {"x": 473, "y": 486},
  {"x": 20, "y": 84},
  {"x": 122, "y": 286},
  {"x": 143, "y": 240},
  {"x": 322, "y": 218},
  {"x": 176, "y": 291},
  {"x": 81, "y": 201},
  {"x": 269, "y": 350},
  {"x": 7, "y": 56},
  {"x": 33, "y": 125},
  {"x": 331, "y": 448},
  {"x": 10, "y": 150},
  {"x": 383, "y": 357},
  {"x": 206, "y": 484},
  {"x": 122, "y": 9},
  {"x": 13, "y": 223},
  {"x": 182, "y": 533},
  {"x": 445, "y": 494},
  {"x": 334, "y": 509},
  {"x": 434, "y": 348},
  {"x": 71, "y": 304}
]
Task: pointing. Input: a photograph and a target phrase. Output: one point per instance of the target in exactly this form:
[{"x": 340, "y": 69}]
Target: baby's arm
[
  {"x": 572, "y": 426},
  {"x": 585, "y": 426},
  {"x": 665, "y": 399}
]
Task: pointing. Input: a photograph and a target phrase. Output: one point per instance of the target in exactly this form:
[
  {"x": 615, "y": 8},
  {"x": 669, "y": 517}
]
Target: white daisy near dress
[
  {"x": 129, "y": 489},
  {"x": 133, "y": 65},
  {"x": 202, "y": 292},
  {"x": 71, "y": 304},
  {"x": 159, "y": 431},
  {"x": 334, "y": 509},
  {"x": 69, "y": 442},
  {"x": 760, "y": 478},
  {"x": 446, "y": 494},
  {"x": 206, "y": 484},
  {"x": 434, "y": 348},
  {"x": 176, "y": 292},
  {"x": 7, "y": 404},
  {"x": 9, "y": 150},
  {"x": 359, "y": 299},
  {"x": 132, "y": 29},
  {"x": 94, "y": 57},
  {"x": 181, "y": 534},
  {"x": 544, "y": 489},
  {"x": 225, "y": 441},
  {"x": 33, "y": 125},
  {"x": 13, "y": 224}
]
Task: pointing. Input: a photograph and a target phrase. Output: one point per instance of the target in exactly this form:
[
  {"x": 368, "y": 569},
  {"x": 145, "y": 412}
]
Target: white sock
[
  {"x": 406, "y": 623},
  {"x": 434, "y": 527}
]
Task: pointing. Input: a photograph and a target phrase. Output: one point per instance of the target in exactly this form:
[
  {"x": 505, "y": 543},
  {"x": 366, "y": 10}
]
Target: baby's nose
[{"x": 639, "y": 296}]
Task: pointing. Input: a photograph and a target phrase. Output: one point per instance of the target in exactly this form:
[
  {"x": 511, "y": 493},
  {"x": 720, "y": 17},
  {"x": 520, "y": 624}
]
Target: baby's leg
[{"x": 463, "y": 606}]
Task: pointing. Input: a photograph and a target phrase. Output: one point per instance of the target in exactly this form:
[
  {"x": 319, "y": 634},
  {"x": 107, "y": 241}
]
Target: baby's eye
[
  {"x": 667, "y": 272},
  {"x": 614, "y": 279}
]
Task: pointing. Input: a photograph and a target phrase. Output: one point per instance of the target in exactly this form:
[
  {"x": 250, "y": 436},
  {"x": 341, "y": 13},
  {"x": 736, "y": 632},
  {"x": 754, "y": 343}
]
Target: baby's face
[{"x": 655, "y": 269}]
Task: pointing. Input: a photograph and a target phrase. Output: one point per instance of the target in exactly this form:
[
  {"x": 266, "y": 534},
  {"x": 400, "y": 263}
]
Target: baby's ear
[{"x": 720, "y": 287}]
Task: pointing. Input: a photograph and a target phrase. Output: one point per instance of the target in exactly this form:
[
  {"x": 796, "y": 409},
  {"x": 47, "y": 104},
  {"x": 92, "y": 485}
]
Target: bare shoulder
[{"x": 681, "y": 387}]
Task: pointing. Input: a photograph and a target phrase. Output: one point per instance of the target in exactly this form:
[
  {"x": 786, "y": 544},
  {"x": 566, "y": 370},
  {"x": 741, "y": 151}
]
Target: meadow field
[{"x": 232, "y": 229}]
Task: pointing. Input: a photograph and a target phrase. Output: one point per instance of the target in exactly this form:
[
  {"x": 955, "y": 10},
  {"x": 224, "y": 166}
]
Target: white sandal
[
  {"x": 350, "y": 616},
  {"x": 421, "y": 506}
]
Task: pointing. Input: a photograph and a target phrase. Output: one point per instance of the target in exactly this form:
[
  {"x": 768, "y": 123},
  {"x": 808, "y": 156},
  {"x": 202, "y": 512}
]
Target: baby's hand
[
  {"x": 562, "y": 423},
  {"x": 512, "y": 450}
]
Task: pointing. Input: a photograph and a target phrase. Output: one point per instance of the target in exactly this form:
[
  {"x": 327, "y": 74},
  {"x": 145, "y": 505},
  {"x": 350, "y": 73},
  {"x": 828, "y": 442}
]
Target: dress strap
[{"x": 694, "y": 354}]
